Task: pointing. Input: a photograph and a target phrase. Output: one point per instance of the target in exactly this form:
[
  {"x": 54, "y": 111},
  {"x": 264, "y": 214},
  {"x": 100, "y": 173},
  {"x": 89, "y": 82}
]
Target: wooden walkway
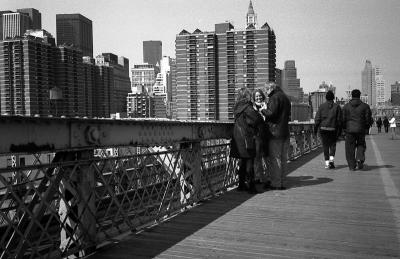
[{"x": 323, "y": 214}]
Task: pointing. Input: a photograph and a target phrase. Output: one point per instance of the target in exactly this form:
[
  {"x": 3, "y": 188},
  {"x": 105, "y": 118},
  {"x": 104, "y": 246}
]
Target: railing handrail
[{"x": 44, "y": 134}]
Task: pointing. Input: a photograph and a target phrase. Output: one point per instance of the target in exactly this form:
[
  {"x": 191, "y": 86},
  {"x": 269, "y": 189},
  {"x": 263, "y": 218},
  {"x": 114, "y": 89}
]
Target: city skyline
[{"x": 329, "y": 40}]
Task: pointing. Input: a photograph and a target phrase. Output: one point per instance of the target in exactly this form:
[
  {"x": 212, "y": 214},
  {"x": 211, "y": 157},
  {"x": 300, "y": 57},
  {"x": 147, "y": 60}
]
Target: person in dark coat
[
  {"x": 328, "y": 121},
  {"x": 379, "y": 124},
  {"x": 386, "y": 124},
  {"x": 248, "y": 123},
  {"x": 356, "y": 122},
  {"x": 277, "y": 116}
]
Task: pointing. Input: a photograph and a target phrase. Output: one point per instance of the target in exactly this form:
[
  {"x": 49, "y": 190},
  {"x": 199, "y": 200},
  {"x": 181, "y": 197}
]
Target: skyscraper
[
  {"x": 15, "y": 24},
  {"x": 76, "y": 30},
  {"x": 152, "y": 52},
  {"x": 35, "y": 17},
  {"x": 290, "y": 82},
  {"x": 395, "y": 93},
  {"x": 380, "y": 87},
  {"x": 368, "y": 89},
  {"x": 211, "y": 66},
  {"x": 1, "y": 23}
]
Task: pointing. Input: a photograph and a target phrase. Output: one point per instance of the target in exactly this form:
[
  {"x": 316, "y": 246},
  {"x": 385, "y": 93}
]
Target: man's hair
[
  {"x": 330, "y": 95},
  {"x": 355, "y": 93}
]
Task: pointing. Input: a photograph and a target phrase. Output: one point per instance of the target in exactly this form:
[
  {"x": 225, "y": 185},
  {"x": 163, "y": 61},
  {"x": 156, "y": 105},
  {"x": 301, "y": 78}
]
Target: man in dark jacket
[
  {"x": 277, "y": 116},
  {"x": 357, "y": 119},
  {"x": 329, "y": 120}
]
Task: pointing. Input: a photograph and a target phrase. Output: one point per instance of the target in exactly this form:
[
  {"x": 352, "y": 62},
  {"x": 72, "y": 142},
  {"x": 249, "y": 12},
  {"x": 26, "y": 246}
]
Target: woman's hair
[
  {"x": 260, "y": 92},
  {"x": 243, "y": 94}
]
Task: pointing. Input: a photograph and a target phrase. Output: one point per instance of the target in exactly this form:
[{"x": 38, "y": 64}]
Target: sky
[{"x": 328, "y": 39}]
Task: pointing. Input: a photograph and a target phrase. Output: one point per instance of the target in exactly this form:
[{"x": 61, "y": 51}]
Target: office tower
[
  {"x": 27, "y": 75},
  {"x": 143, "y": 78},
  {"x": 76, "y": 30},
  {"x": 122, "y": 83},
  {"x": 395, "y": 93},
  {"x": 211, "y": 66},
  {"x": 69, "y": 78},
  {"x": 1, "y": 23},
  {"x": 35, "y": 17},
  {"x": 368, "y": 89},
  {"x": 380, "y": 87},
  {"x": 152, "y": 52},
  {"x": 15, "y": 24},
  {"x": 139, "y": 105},
  {"x": 290, "y": 82}
]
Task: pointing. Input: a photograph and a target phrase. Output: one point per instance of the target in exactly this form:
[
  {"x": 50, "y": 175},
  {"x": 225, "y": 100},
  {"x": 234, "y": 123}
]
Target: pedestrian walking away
[
  {"x": 379, "y": 124},
  {"x": 386, "y": 124},
  {"x": 328, "y": 121},
  {"x": 356, "y": 122}
]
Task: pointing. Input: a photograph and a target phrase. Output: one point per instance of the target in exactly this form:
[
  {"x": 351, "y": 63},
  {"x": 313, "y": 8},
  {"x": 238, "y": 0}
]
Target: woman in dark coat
[
  {"x": 386, "y": 124},
  {"x": 379, "y": 124},
  {"x": 248, "y": 124}
]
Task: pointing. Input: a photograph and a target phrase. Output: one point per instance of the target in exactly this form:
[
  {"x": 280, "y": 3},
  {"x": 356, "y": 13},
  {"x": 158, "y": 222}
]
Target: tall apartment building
[
  {"x": 27, "y": 75},
  {"x": 122, "y": 83},
  {"x": 290, "y": 82},
  {"x": 76, "y": 30},
  {"x": 395, "y": 93},
  {"x": 89, "y": 82},
  {"x": 102, "y": 90},
  {"x": 152, "y": 52},
  {"x": 368, "y": 88},
  {"x": 69, "y": 80},
  {"x": 211, "y": 66}
]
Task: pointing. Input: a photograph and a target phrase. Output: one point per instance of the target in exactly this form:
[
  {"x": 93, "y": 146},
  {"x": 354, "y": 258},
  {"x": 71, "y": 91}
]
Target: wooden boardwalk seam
[{"x": 323, "y": 214}]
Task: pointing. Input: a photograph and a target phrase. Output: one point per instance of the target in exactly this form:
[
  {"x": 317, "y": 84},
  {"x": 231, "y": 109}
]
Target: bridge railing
[{"x": 67, "y": 185}]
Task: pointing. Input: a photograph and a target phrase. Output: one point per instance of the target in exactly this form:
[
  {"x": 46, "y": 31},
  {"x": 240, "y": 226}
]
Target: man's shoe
[
  {"x": 327, "y": 167},
  {"x": 331, "y": 165},
  {"x": 353, "y": 168},
  {"x": 360, "y": 165}
]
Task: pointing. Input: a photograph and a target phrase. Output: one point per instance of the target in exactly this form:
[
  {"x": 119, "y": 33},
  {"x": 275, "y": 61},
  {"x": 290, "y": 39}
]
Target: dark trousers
[
  {"x": 379, "y": 129},
  {"x": 355, "y": 148},
  {"x": 246, "y": 168},
  {"x": 386, "y": 129},
  {"x": 328, "y": 142}
]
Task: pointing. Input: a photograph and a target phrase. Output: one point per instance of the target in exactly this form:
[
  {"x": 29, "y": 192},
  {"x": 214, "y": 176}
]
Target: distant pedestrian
[
  {"x": 277, "y": 116},
  {"x": 243, "y": 146},
  {"x": 386, "y": 124},
  {"x": 393, "y": 126},
  {"x": 328, "y": 121},
  {"x": 379, "y": 124},
  {"x": 356, "y": 122}
]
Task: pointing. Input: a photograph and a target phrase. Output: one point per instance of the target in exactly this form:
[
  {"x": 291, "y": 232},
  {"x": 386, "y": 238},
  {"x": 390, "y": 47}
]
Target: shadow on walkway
[
  {"x": 300, "y": 181},
  {"x": 374, "y": 167},
  {"x": 153, "y": 241}
]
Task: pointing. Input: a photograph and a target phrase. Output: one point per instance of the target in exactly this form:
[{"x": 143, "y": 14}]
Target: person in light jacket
[
  {"x": 393, "y": 126},
  {"x": 328, "y": 121}
]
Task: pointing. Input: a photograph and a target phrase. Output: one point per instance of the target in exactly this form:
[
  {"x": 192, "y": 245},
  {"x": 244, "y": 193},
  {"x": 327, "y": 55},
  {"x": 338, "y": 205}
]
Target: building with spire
[{"x": 212, "y": 66}]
